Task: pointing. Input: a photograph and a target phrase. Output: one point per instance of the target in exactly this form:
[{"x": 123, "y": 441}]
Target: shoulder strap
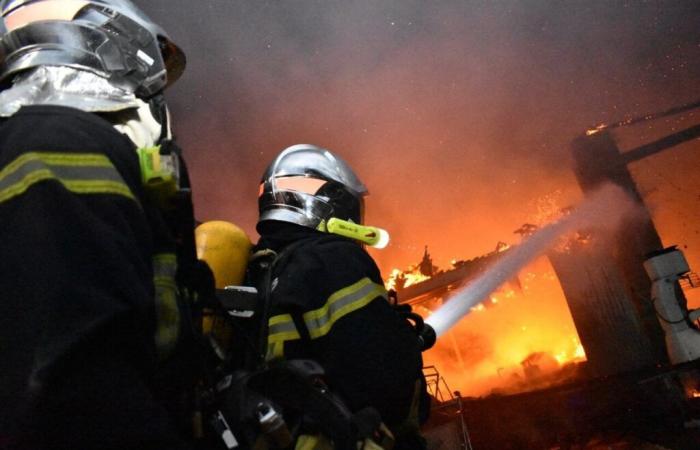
[{"x": 263, "y": 313}]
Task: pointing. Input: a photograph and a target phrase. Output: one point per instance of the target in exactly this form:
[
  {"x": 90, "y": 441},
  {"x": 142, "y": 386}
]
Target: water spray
[{"x": 604, "y": 208}]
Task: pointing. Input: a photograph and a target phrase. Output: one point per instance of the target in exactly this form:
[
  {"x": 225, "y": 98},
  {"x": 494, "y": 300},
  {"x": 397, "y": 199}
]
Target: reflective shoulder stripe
[
  {"x": 82, "y": 173},
  {"x": 167, "y": 312},
  {"x": 319, "y": 321},
  {"x": 340, "y": 304}
]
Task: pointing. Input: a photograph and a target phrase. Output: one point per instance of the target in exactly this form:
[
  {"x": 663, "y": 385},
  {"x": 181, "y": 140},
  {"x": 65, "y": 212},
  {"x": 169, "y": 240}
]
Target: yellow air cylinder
[{"x": 226, "y": 249}]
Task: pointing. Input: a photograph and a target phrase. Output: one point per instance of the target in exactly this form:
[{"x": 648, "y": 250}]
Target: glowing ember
[
  {"x": 595, "y": 130},
  {"x": 479, "y": 307}
]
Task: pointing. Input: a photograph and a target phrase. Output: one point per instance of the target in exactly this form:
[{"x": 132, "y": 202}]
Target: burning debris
[
  {"x": 478, "y": 357},
  {"x": 611, "y": 281}
]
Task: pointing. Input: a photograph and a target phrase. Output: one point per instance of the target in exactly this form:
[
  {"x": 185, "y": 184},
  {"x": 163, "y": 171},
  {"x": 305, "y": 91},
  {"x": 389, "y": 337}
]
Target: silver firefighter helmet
[
  {"x": 307, "y": 185},
  {"x": 111, "y": 38}
]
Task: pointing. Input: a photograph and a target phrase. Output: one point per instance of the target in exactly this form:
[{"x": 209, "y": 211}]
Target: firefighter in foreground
[
  {"x": 93, "y": 199},
  {"x": 327, "y": 301}
]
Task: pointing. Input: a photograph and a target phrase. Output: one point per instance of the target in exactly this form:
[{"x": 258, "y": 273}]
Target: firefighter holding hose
[
  {"x": 324, "y": 293},
  {"x": 96, "y": 229}
]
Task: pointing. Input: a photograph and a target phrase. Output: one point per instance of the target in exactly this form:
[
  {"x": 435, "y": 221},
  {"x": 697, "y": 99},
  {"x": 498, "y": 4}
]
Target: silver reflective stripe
[
  {"x": 81, "y": 173},
  {"x": 283, "y": 327},
  {"x": 340, "y": 304},
  {"x": 319, "y": 321}
]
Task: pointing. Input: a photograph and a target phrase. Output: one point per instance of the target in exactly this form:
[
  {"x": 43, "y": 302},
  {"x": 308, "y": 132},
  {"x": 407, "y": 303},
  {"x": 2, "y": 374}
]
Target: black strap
[{"x": 265, "y": 292}]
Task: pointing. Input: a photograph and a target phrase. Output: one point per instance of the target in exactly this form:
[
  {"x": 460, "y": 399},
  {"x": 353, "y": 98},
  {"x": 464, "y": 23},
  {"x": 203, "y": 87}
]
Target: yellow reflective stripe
[
  {"x": 275, "y": 350},
  {"x": 58, "y": 159},
  {"x": 282, "y": 328},
  {"x": 97, "y": 187},
  {"x": 167, "y": 312},
  {"x": 313, "y": 442},
  {"x": 340, "y": 304},
  {"x": 80, "y": 173}
]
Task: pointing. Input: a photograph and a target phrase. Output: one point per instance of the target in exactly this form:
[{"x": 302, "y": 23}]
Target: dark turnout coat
[
  {"x": 88, "y": 308},
  {"x": 328, "y": 303}
]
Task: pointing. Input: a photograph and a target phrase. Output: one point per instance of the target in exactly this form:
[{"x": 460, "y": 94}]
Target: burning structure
[{"x": 640, "y": 380}]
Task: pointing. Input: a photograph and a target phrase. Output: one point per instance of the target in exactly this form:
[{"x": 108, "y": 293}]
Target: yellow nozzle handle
[{"x": 373, "y": 236}]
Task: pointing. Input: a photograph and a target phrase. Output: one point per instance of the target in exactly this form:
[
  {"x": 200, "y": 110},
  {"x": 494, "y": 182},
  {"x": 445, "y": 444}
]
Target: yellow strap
[{"x": 167, "y": 312}]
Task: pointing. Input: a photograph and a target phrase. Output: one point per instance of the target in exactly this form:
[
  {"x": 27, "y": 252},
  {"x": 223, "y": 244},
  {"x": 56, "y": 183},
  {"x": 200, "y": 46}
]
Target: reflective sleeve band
[
  {"x": 167, "y": 312},
  {"x": 81, "y": 173},
  {"x": 313, "y": 442},
  {"x": 281, "y": 328},
  {"x": 340, "y": 304},
  {"x": 319, "y": 321}
]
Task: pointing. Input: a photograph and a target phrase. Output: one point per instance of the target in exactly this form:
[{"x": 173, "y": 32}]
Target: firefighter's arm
[
  {"x": 370, "y": 354},
  {"x": 77, "y": 316}
]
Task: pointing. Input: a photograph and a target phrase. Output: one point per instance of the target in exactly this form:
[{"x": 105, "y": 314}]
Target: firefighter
[
  {"x": 93, "y": 198},
  {"x": 327, "y": 301}
]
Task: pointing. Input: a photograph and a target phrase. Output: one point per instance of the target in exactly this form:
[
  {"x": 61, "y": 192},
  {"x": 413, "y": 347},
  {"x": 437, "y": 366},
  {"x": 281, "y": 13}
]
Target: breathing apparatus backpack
[{"x": 247, "y": 402}]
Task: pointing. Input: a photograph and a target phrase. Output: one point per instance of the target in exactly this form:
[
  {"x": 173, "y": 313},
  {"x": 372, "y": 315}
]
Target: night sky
[{"x": 456, "y": 114}]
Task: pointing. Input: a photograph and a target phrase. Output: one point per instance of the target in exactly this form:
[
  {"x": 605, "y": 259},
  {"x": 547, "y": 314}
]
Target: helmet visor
[
  {"x": 294, "y": 206},
  {"x": 41, "y": 11}
]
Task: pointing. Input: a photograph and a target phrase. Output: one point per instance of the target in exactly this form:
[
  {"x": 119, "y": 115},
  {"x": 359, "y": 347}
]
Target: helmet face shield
[
  {"x": 296, "y": 207},
  {"x": 21, "y": 13},
  {"x": 112, "y": 38},
  {"x": 308, "y": 185}
]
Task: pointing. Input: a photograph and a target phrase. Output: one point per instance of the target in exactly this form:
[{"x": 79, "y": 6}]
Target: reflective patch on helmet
[
  {"x": 40, "y": 11},
  {"x": 145, "y": 58},
  {"x": 306, "y": 185}
]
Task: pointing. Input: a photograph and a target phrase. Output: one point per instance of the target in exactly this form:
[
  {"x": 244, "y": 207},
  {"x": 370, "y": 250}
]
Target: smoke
[
  {"x": 604, "y": 211},
  {"x": 450, "y": 110}
]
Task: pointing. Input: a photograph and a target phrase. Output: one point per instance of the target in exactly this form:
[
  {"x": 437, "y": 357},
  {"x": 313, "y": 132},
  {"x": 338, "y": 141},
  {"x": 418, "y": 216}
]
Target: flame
[
  {"x": 399, "y": 279},
  {"x": 577, "y": 354},
  {"x": 414, "y": 278},
  {"x": 596, "y": 129},
  {"x": 516, "y": 340},
  {"x": 501, "y": 247}
]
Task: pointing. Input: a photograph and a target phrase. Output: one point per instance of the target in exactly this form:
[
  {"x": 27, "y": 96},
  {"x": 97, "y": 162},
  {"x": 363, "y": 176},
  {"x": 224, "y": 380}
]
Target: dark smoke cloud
[{"x": 456, "y": 114}]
